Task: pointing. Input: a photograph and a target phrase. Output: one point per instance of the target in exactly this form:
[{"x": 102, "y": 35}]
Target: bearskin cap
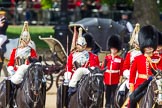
[
  {"x": 89, "y": 39},
  {"x": 114, "y": 42},
  {"x": 159, "y": 38},
  {"x": 147, "y": 37}
]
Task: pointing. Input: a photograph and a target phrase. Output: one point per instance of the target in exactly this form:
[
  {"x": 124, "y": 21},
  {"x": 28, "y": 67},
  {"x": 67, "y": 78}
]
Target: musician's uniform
[
  {"x": 84, "y": 59},
  {"x": 19, "y": 63}
]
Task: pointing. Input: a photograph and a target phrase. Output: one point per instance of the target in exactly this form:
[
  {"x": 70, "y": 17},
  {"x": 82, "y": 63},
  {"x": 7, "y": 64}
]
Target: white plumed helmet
[
  {"x": 134, "y": 37},
  {"x": 81, "y": 41},
  {"x": 25, "y": 35}
]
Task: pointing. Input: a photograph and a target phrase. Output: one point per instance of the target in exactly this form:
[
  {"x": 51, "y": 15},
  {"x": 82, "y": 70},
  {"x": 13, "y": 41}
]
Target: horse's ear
[
  {"x": 89, "y": 68},
  {"x": 40, "y": 58},
  {"x": 153, "y": 71}
]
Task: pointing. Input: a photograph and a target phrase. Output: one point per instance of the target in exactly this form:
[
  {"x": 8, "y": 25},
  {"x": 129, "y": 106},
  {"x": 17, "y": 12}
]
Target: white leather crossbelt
[{"x": 112, "y": 71}]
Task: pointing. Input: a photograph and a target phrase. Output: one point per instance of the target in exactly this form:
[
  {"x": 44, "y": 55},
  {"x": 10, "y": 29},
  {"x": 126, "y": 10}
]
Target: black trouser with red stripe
[{"x": 110, "y": 94}]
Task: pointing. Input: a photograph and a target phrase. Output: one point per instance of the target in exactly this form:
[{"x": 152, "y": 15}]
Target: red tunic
[
  {"x": 143, "y": 67},
  {"x": 12, "y": 57},
  {"x": 129, "y": 58},
  {"x": 92, "y": 62},
  {"x": 114, "y": 70}
]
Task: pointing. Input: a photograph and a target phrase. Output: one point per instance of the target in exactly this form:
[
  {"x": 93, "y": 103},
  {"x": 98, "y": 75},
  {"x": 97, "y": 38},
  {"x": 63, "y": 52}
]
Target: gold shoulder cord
[{"x": 155, "y": 62}]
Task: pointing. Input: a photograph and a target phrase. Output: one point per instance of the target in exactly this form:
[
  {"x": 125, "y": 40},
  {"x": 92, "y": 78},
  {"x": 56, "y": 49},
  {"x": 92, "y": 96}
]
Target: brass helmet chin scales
[{"x": 25, "y": 35}]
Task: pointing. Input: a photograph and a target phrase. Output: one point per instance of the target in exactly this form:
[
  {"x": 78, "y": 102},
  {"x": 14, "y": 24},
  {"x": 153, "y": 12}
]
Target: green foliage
[
  {"x": 35, "y": 32},
  {"x": 160, "y": 6},
  {"x": 46, "y": 4},
  {"x": 108, "y": 2}
]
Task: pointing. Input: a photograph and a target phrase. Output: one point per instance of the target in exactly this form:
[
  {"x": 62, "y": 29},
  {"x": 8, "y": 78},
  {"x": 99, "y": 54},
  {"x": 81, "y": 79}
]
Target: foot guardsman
[{"x": 114, "y": 63}]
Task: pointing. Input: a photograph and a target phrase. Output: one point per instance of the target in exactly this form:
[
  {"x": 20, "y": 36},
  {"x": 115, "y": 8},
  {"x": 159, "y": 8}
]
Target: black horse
[
  {"x": 90, "y": 91},
  {"x": 153, "y": 95},
  {"x": 31, "y": 93}
]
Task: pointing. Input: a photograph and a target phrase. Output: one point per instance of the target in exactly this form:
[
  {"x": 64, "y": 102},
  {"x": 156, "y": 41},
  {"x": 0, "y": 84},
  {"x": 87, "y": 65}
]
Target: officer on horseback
[
  {"x": 81, "y": 58},
  {"x": 140, "y": 73},
  {"x": 18, "y": 63},
  {"x": 3, "y": 28}
]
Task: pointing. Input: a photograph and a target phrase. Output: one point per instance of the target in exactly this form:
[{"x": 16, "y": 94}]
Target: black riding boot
[
  {"x": 8, "y": 91},
  {"x": 44, "y": 91},
  {"x": 13, "y": 94},
  {"x": 1, "y": 54}
]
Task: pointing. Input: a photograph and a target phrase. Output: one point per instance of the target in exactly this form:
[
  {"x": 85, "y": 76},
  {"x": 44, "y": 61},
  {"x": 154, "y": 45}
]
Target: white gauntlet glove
[
  {"x": 11, "y": 70},
  {"x": 67, "y": 76}
]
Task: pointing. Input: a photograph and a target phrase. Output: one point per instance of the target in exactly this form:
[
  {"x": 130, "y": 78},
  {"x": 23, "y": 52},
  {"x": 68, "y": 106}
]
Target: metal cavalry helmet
[
  {"x": 25, "y": 35},
  {"x": 134, "y": 37},
  {"x": 81, "y": 40}
]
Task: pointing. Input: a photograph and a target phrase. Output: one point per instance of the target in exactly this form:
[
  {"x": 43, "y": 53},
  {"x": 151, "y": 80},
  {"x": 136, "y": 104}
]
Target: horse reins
[
  {"x": 91, "y": 98},
  {"x": 37, "y": 96}
]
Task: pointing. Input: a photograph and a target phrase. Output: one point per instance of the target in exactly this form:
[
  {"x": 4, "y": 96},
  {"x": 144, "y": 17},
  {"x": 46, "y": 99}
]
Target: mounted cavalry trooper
[
  {"x": 114, "y": 63},
  {"x": 140, "y": 73},
  {"x": 130, "y": 58},
  {"x": 18, "y": 63},
  {"x": 77, "y": 64},
  {"x": 3, "y": 28}
]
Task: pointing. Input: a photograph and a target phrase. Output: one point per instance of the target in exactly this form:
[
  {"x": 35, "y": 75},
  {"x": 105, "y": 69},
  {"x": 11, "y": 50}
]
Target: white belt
[{"x": 112, "y": 71}]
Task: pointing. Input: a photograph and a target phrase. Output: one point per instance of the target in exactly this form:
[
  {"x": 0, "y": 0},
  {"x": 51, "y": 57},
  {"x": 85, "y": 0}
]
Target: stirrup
[{"x": 14, "y": 102}]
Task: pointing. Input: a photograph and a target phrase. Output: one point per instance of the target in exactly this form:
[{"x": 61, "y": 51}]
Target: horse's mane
[
  {"x": 85, "y": 88},
  {"x": 151, "y": 97}
]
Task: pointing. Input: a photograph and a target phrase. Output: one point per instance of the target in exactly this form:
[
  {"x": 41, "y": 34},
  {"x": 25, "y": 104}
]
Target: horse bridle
[
  {"x": 27, "y": 90},
  {"x": 156, "y": 90},
  {"x": 93, "y": 99}
]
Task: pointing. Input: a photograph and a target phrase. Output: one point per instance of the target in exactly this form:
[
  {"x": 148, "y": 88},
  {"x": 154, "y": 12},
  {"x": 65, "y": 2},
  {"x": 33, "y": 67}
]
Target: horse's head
[
  {"x": 96, "y": 76},
  {"x": 157, "y": 86},
  {"x": 35, "y": 75},
  {"x": 96, "y": 83}
]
